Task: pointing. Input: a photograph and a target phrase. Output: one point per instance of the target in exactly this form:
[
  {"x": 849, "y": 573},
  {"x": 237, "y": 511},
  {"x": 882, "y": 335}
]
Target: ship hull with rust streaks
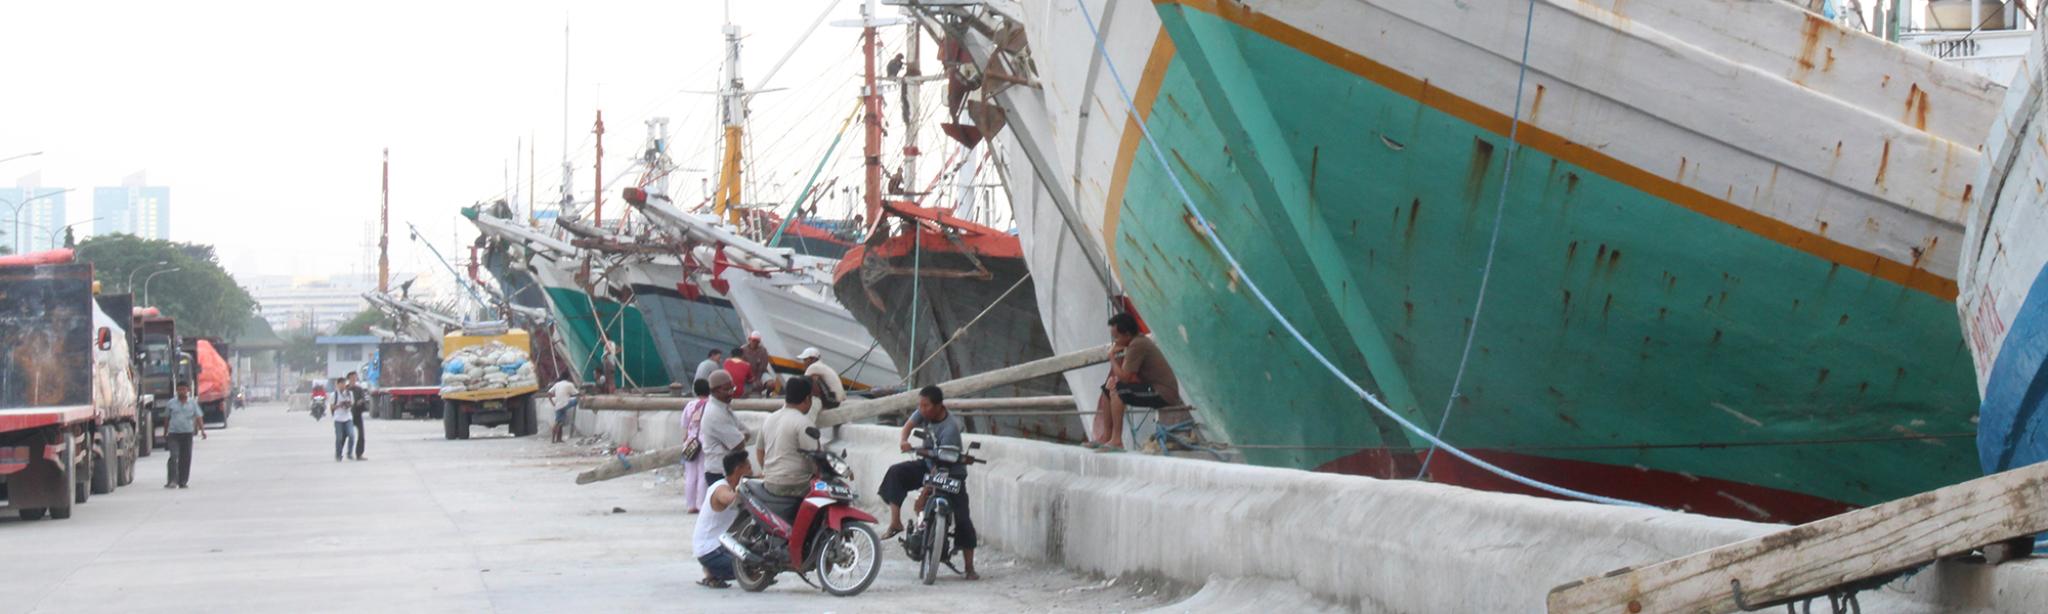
[{"x": 1722, "y": 279}]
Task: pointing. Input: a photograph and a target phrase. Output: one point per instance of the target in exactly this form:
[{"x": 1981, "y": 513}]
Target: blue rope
[
  {"x": 1500, "y": 207},
  {"x": 1215, "y": 240}
]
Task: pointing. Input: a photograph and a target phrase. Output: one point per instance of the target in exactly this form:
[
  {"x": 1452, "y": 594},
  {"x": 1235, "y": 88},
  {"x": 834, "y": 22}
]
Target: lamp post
[
  {"x": 17, "y": 211},
  {"x": 130, "y": 286},
  {"x": 151, "y": 277},
  {"x": 54, "y": 233}
]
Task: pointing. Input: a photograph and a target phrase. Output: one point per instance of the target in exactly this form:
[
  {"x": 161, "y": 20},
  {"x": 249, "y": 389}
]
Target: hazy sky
[{"x": 266, "y": 118}]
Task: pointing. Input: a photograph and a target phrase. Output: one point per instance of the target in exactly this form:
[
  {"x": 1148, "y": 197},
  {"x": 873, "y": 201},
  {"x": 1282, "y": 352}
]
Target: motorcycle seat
[{"x": 782, "y": 506}]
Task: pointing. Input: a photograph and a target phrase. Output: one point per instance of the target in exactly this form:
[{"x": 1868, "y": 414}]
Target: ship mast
[
  {"x": 384, "y": 230},
  {"x": 872, "y": 104},
  {"x": 910, "y": 98},
  {"x": 597, "y": 175},
  {"x": 732, "y": 113},
  {"x": 568, "y": 172}
]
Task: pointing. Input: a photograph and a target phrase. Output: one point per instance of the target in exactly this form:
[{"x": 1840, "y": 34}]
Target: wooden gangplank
[{"x": 1815, "y": 558}]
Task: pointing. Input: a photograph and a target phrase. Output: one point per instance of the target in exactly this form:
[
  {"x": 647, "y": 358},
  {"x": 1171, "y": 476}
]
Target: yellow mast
[{"x": 732, "y": 109}]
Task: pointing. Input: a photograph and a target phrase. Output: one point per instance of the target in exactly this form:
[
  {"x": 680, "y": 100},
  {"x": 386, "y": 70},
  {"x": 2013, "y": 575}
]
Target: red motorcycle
[{"x": 824, "y": 532}]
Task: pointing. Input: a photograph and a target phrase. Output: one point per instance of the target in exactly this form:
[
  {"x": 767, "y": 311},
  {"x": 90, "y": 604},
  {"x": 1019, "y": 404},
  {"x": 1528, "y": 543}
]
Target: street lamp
[
  {"x": 130, "y": 286},
  {"x": 54, "y": 233},
  {"x": 17, "y": 212},
  {"x": 152, "y": 276},
  {"x": 18, "y": 157}
]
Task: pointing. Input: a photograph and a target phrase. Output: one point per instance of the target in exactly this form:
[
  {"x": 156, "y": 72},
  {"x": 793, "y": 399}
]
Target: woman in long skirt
[{"x": 693, "y": 423}]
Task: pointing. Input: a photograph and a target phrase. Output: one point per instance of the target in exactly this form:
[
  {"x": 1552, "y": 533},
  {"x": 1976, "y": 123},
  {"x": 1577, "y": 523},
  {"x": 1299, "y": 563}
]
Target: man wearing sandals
[
  {"x": 1135, "y": 363},
  {"x": 717, "y": 511}
]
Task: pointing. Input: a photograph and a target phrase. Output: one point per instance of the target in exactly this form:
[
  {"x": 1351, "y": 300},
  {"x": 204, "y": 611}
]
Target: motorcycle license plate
[{"x": 947, "y": 484}]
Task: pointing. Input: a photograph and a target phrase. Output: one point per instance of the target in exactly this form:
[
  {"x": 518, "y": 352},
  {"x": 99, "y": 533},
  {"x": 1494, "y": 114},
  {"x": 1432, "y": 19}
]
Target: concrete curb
[{"x": 1354, "y": 542}]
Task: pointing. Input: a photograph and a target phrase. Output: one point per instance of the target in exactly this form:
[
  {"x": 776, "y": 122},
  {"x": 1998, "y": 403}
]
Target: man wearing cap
[
  {"x": 762, "y": 365},
  {"x": 720, "y": 432},
  {"x": 823, "y": 377}
]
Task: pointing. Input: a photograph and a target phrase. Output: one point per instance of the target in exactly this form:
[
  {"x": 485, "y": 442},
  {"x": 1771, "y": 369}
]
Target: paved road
[{"x": 273, "y": 524}]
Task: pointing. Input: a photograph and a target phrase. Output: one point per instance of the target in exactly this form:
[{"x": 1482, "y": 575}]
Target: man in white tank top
[{"x": 720, "y": 507}]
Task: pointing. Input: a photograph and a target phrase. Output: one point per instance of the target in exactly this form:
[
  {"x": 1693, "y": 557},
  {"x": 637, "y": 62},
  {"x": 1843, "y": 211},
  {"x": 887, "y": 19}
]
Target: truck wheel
[
  {"x": 461, "y": 423},
  {"x": 68, "y": 491},
  {"x": 103, "y": 462},
  {"x": 33, "y": 513},
  {"x": 448, "y": 425},
  {"x": 125, "y": 473},
  {"x": 144, "y": 433},
  {"x": 523, "y": 419}
]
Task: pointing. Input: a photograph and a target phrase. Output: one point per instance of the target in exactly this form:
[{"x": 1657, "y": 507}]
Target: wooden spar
[
  {"x": 614, "y": 468},
  {"x": 896, "y": 403},
  {"x": 1816, "y": 557},
  {"x": 626, "y": 403},
  {"x": 607, "y": 402},
  {"x": 980, "y": 382}
]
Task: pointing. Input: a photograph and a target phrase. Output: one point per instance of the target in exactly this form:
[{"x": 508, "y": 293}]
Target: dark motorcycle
[
  {"x": 930, "y": 539},
  {"x": 828, "y": 534}
]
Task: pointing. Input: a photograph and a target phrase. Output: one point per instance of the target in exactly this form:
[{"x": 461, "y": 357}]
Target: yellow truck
[{"x": 487, "y": 381}]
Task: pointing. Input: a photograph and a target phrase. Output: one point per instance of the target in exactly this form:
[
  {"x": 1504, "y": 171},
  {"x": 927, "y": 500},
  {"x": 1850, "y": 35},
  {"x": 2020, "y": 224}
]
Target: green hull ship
[{"x": 1680, "y": 312}]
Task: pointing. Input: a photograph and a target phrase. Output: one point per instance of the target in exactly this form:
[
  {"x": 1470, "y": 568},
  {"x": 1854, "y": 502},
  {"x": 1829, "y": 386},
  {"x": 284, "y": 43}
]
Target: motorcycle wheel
[
  {"x": 851, "y": 559},
  {"x": 752, "y": 578},
  {"x": 934, "y": 547}
]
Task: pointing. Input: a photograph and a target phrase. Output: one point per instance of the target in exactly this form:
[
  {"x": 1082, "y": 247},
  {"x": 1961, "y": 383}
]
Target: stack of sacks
[{"x": 486, "y": 367}]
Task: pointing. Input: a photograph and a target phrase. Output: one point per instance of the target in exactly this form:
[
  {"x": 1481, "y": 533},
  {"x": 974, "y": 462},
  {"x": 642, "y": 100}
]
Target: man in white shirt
[
  {"x": 720, "y": 507},
  {"x": 823, "y": 378},
  {"x": 562, "y": 396},
  {"x": 713, "y": 362},
  {"x": 721, "y": 432},
  {"x": 344, "y": 421}
]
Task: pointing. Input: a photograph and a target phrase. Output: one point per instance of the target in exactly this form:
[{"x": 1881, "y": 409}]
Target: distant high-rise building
[
  {"x": 42, "y": 212},
  {"x": 134, "y": 208}
]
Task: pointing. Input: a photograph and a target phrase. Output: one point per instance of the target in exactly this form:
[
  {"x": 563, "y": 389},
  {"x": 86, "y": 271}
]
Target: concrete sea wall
[{"x": 1353, "y": 542}]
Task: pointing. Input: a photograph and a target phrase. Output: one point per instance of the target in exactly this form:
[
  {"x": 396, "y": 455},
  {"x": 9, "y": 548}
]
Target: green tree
[
  {"x": 301, "y": 353},
  {"x": 360, "y": 323},
  {"x": 200, "y": 294}
]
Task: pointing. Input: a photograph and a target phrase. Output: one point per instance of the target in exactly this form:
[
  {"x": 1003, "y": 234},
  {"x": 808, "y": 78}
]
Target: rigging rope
[
  {"x": 970, "y": 323},
  {"x": 805, "y": 195},
  {"x": 1500, "y": 206},
  {"x": 916, "y": 275},
  {"x": 1215, "y": 240}
]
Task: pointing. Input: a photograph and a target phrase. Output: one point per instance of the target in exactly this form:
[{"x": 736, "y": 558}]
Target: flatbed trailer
[
  {"x": 408, "y": 380},
  {"x": 68, "y": 418},
  {"x": 45, "y": 459}
]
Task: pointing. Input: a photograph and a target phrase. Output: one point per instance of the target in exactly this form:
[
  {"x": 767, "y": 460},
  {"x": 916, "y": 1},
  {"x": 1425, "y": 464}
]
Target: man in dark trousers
[
  {"x": 182, "y": 419},
  {"x": 941, "y": 428},
  {"x": 358, "y": 408}
]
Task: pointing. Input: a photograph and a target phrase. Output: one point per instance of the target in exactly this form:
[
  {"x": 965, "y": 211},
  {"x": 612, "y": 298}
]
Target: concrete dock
[{"x": 493, "y": 524}]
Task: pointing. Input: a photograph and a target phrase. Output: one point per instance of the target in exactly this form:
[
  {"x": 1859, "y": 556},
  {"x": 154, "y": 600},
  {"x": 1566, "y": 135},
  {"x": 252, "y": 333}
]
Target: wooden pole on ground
[
  {"x": 1824, "y": 554},
  {"x": 893, "y": 404},
  {"x": 624, "y": 403}
]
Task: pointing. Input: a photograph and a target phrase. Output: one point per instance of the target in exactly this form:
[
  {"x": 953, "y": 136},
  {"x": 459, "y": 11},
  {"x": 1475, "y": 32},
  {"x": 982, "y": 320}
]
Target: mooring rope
[{"x": 1500, "y": 206}]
